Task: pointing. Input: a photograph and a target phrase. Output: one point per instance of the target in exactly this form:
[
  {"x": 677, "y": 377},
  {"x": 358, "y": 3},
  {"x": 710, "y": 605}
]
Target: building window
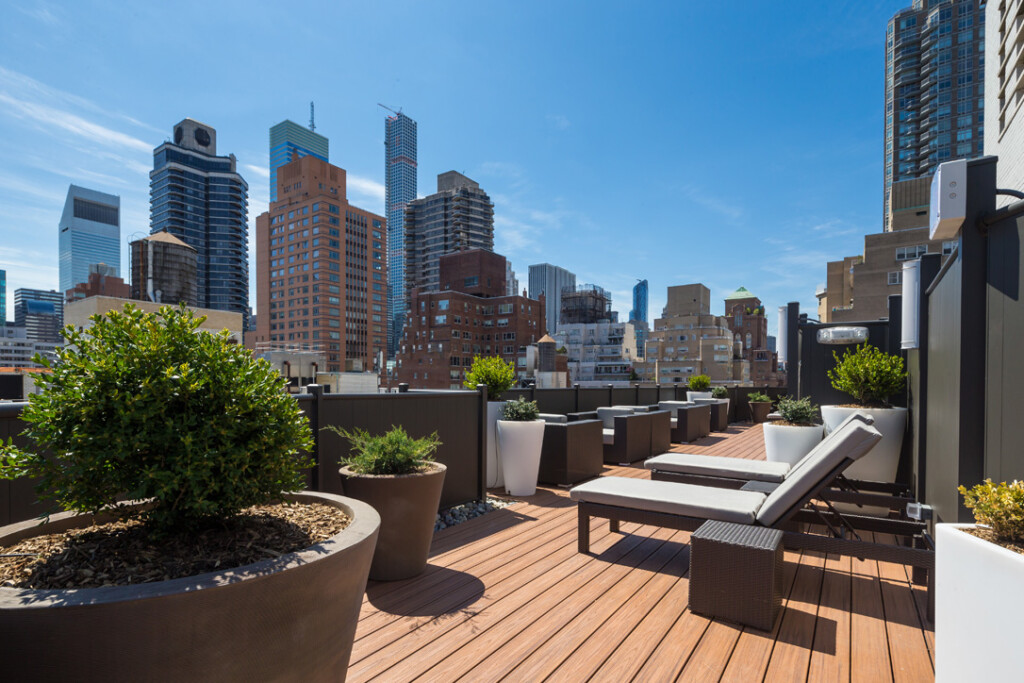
[
  {"x": 948, "y": 247},
  {"x": 895, "y": 277},
  {"x": 908, "y": 253}
]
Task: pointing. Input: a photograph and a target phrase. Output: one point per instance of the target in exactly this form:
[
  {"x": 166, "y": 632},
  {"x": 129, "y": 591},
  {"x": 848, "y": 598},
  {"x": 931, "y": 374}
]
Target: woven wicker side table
[{"x": 736, "y": 573}]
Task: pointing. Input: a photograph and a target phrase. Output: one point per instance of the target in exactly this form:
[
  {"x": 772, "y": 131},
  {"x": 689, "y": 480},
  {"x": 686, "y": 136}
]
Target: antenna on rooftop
[
  {"x": 384, "y": 106},
  {"x": 312, "y": 126}
]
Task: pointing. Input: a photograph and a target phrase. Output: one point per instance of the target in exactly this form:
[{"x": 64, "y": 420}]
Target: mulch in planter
[
  {"x": 123, "y": 553},
  {"x": 988, "y": 535}
]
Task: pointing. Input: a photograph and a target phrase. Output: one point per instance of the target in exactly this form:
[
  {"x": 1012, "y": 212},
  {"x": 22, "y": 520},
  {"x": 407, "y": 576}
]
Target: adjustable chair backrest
[
  {"x": 852, "y": 440},
  {"x": 857, "y": 416}
]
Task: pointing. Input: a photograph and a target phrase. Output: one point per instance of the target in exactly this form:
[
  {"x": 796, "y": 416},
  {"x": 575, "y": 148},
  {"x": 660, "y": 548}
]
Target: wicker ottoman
[{"x": 736, "y": 573}]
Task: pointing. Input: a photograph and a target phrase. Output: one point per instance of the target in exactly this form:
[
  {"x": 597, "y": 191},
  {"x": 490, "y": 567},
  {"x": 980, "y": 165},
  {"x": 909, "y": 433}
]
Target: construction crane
[{"x": 384, "y": 106}]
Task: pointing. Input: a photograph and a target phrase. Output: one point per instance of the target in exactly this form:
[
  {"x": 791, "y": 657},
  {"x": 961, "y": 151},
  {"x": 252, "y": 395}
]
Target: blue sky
[{"x": 724, "y": 143}]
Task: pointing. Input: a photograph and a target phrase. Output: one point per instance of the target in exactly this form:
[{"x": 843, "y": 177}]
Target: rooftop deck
[{"x": 507, "y": 597}]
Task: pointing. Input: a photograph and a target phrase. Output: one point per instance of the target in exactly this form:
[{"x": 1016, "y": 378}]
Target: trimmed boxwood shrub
[
  {"x": 868, "y": 374},
  {"x": 699, "y": 383},
  {"x": 499, "y": 375},
  {"x": 147, "y": 406},
  {"x": 521, "y": 410}
]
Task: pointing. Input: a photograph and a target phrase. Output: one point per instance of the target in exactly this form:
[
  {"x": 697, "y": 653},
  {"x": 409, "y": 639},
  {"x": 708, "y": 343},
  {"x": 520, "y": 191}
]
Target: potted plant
[
  {"x": 395, "y": 474},
  {"x": 979, "y": 571},
  {"x": 499, "y": 376},
  {"x": 760, "y": 406},
  {"x": 871, "y": 376},
  {"x": 792, "y": 437},
  {"x": 191, "y": 581},
  {"x": 721, "y": 394},
  {"x": 520, "y": 440},
  {"x": 699, "y": 386}
]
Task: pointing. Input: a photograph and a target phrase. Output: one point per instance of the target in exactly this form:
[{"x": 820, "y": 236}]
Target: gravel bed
[{"x": 462, "y": 513}]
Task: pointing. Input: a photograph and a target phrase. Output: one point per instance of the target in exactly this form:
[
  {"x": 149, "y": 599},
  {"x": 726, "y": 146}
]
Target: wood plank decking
[{"x": 507, "y": 597}]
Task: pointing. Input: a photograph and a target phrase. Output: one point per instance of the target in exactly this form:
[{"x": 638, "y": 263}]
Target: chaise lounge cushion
[
  {"x": 719, "y": 466},
  {"x": 703, "y": 502},
  {"x": 608, "y": 436}
]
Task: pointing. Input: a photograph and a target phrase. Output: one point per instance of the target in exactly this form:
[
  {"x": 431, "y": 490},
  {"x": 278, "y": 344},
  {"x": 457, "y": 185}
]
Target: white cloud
[
  {"x": 367, "y": 189},
  {"x": 723, "y": 207},
  {"x": 45, "y": 117},
  {"x": 40, "y": 12},
  {"x": 261, "y": 171},
  {"x": 559, "y": 121}
]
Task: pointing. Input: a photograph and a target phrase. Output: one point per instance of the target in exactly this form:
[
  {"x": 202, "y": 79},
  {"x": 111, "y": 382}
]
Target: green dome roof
[{"x": 741, "y": 293}]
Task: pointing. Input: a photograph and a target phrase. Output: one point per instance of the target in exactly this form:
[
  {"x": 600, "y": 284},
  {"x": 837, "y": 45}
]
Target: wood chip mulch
[
  {"x": 123, "y": 553},
  {"x": 987, "y": 535}
]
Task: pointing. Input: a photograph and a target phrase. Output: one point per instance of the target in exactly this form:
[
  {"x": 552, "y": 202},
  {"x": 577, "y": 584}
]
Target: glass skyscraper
[
  {"x": 3, "y": 298},
  {"x": 549, "y": 280},
  {"x": 639, "y": 311},
  {"x": 199, "y": 198},
  {"x": 400, "y": 188},
  {"x": 934, "y": 88},
  {"x": 90, "y": 232},
  {"x": 40, "y": 312},
  {"x": 290, "y": 141}
]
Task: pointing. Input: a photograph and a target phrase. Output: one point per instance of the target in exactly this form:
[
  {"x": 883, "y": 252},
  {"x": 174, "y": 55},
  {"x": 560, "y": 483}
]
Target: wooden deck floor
[{"x": 507, "y": 597}]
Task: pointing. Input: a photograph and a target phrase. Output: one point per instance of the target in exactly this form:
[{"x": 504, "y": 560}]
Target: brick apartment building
[
  {"x": 745, "y": 316},
  {"x": 321, "y": 270},
  {"x": 468, "y": 315}
]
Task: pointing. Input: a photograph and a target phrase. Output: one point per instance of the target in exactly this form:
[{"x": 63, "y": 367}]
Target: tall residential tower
[
  {"x": 934, "y": 89},
  {"x": 90, "y": 232},
  {"x": 200, "y": 198},
  {"x": 400, "y": 190},
  {"x": 549, "y": 280},
  {"x": 290, "y": 141}
]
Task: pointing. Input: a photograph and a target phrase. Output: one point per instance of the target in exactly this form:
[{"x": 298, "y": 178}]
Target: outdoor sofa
[{"x": 572, "y": 451}]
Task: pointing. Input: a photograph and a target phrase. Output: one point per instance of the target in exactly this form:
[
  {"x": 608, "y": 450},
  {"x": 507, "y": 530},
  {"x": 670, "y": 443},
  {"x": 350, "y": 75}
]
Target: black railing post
[
  {"x": 403, "y": 388},
  {"x": 636, "y": 399},
  {"x": 481, "y": 450},
  {"x": 317, "y": 392},
  {"x": 793, "y": 349},
  {"x": 576, "y": 397},
  {"x": 611, "y": 400}
]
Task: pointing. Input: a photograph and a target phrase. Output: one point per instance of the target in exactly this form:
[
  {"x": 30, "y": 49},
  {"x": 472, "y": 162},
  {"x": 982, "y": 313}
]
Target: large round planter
[
  {"x": 495, "y": 409},
  {"x": 520, "y": 444},
  {"x": 790, "y": 443},
  {"x": 759, "y": 411},
  {"x": 881, "y": 462},
  {"x": 407, "y": 504},
  {"x": 978, "y": 603},
  {"x": 289, "y": 618},
  {"x": 694, "y": 395}
]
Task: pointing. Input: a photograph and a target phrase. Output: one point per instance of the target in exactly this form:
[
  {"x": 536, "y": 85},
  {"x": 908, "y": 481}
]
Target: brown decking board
[{"x": 507, "y": 597}]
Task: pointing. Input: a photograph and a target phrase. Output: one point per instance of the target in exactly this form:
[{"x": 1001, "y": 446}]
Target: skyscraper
[
  {"x": 457, "y": 217},
  {"x": 934, "y": 88},
  {"x": 90, "y": 232},
  {"x": 3, "y": 298},
  {"x": 639, "y": 311},
  {"x": 40, "y": 312},
  {"x": 290, "y": 141},
  {"x": 199, "y": 198},
  {"x": 549, "y": 280},
  {"x": 400, "y": 190}
]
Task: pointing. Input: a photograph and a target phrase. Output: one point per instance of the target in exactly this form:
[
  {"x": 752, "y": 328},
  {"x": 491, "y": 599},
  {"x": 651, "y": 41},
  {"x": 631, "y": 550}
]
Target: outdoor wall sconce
[{"x": 842, "y": 335}]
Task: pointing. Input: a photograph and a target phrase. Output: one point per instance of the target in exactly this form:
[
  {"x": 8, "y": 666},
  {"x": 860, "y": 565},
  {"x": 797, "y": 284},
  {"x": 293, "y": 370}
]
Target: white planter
[
  {"x": 978, "y": 603},
  {"x": 881, "y": 462},
  {"x": 789, "y": 443},
  {"x": 693, "y": 395},
  {"x": 519, "y": 447},
  {"x": 493, "y": 475}
]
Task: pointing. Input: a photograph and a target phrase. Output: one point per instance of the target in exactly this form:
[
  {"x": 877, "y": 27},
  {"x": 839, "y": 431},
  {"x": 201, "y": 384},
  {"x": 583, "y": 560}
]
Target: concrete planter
[
  {"x": 759, "y": 411},
  {"x": 290, "y": 618},
  {"x": 978, "y": 603},
  {"x": 694, "y": 395},
  {"x": 407, "y": 504},
  {"x": 520, "y": 444},
  {"x": 495, "y": 409},
  {"x": 790, "y": 443},
  {"x": 881, "y": 463}
]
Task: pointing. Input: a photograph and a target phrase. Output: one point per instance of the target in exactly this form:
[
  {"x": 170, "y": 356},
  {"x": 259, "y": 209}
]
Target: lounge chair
[
  {"x": 725, "y": 472},
  {"x": 571, "y": 452},
  {"x": 688, "y": 506},
  {"x": 689, "y": 420}
]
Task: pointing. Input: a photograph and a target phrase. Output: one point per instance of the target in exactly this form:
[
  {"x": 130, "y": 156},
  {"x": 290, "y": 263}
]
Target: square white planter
[{"x": 979, "y": 600}]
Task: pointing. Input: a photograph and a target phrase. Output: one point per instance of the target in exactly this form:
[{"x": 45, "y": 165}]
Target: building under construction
[
  {"x": 164, "y": 270},
  {"x": 585, "y": 304}
]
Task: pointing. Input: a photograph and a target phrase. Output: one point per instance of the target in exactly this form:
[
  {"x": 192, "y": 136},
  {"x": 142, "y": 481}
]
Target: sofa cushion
[
  {"x": 553, "y": 418},
  {"x": 702, "y": 502},
  {"x": 608, "y": 415},
  {"x": 719, "y": 466},
  {"x": 608, "y": 436}
]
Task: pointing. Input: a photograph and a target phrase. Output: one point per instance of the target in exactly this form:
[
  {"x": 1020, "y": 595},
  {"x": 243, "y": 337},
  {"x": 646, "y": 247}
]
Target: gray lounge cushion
[
  {"x": 608, "y": 436},
  {"x": 719, "y": 466},
  {"x": 553, "y": 418},
  {"x": 673, "y": 406},
  {"x": 702, "y": 502},
  {"x": 608, "y": 415},
  {"x": 851, "y": 440}
]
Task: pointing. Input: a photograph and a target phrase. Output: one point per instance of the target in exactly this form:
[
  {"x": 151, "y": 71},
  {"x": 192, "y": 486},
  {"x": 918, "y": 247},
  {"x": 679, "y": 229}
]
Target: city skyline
[{"x": 798, "y": 189}]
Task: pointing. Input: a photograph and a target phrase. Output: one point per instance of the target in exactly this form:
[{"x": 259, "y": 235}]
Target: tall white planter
[
  {"x": 978, "y": 603},
  {"x": 790, "y": 443},
  {"x": 493, "y": 475},
  {"x": 694, "y": 395},
  {"x": 881, "y": 462},
  {"x": 519, "y": 446}
]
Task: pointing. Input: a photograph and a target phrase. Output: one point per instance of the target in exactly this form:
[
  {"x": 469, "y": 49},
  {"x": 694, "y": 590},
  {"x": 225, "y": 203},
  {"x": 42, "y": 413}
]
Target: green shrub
[
  {"x": 394, "y": 452},
  {"x": 868, "y": 374},
  {"x": 998, "y": 506},
  {"x": 499, "y": 375},
  {"x": 719, "y": 392},
  {"x": 700, "y": 383},
  {"x": 799, "y": 411},
  {"x": 521, "y": 410},
  {"x": 147, "y": 406},
  {"x": 758, "y": 397}
]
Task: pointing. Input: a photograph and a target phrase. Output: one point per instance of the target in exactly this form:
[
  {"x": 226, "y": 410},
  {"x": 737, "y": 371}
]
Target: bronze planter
[
  {"x": 289, "y": 618},
  {"x": 407, "y": 504},
  {"x": 759, "y": 412}
]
